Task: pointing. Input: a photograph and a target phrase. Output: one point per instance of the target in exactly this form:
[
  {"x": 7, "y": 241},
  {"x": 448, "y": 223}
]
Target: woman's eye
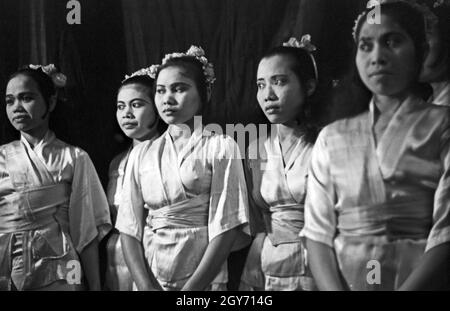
[
  {"x": 363, "y": 46},
  {"x": 393, "y": 41},
  {"x": 260, "y": 86},
  {"x": 9, "y": 101},
  {"x": 27, "y": 99},
  {"x": 160, "y": 91},
  {"x": 120, "y": 107},
  {"x": 180, "y": 89},
  {"x": 280, "y": 81},
  {"x": 137, "y": 105}
]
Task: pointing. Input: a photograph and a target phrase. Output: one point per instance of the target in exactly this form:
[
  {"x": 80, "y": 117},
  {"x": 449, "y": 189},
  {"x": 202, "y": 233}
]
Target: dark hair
[
  {"x": 148, "y": 84},
  {"x": 144, "y": 80},
  {"x": 43, "y": 81},
  {"x": 352, "y": 96},
  {"x": 443, "y": 14},
  {"x": 194, "y": 68},
  {"x": 301, "y": 64}
]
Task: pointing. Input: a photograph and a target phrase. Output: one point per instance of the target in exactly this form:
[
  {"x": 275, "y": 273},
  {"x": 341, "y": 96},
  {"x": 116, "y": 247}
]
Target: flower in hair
[
  {"x": 58, "y": 78},
  {"x": 439, "y": 3},
  {"x": 305, "y": 43},
  {"x": 199, "y": 54},
  {"x": 149, "y": 71}
]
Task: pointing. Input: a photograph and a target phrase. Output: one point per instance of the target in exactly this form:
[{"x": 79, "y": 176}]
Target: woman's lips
[
  {"x": 129, "y": 125},
  {"x": 169, "y": 111},
  {"x": 272, "y": 109},
  {"x": 20, "y": 118}
]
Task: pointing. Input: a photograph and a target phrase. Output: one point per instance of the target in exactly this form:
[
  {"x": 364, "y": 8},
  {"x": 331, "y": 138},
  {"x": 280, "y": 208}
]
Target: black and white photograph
[{"x": 229, "y": 149}]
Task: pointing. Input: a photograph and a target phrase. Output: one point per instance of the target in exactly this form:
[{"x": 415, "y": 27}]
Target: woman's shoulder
[
  {"x": 7, "y": 145},
  {"x": 115, "y": 162},
  {"x": 223, "y": 145},
  {"x": 75, "y": 151},
  {"x": 346, "y": 124}
]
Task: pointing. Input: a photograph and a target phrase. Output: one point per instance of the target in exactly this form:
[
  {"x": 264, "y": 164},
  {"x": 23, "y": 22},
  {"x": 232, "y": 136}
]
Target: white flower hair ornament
[
  {"x": 58, "y": 78},
  {"x": 199, "y": 54},
  {"x": 438, "y": 3},
  {"x": 305, "y": 44},
  {"x": 148, "y": 71}
]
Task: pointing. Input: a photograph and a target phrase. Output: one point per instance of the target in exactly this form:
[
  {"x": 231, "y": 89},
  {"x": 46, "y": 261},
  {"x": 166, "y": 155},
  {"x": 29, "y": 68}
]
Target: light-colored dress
[
  {"x": 190, "y": 197},
  {"x": 276, "y": 260},
  {"x": 52, "y": 205},
  {"x": 118, "y": 277},
  {"x": 441, "y": 96},
  {"x": 381, "y": 206}
]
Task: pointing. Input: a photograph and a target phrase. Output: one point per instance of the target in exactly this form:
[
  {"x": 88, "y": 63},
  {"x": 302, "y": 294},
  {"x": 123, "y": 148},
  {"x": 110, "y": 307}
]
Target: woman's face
[
  {"x": 435, "y": 65},
  {"x": 177, "y": 98},
  {"x": 135, "y": 113},
  {"x": 25, "y": 106},
  {"x": 386, "y": 58},
  {"x": 280, "y": 93}
]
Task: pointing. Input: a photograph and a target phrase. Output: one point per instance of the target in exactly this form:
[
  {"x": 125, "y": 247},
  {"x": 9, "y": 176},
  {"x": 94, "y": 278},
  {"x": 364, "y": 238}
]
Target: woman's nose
[
  {"x": 378, "y": 56},
  {"x": 270, "y": 94},
  {"x": 17, "y": 106},
  {"x": 128, "y": 111},
  {"x": 168, "y": 99}
]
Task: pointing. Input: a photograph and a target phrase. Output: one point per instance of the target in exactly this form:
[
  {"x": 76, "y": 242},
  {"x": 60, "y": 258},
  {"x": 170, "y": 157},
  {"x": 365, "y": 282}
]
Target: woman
[
  {"x": 139, "y": 120},
  {"x": 53, "y": 211},
  {"x": 436, "y": 68},
  {"x": 185, "y": 199},
  {"x": 377, "y": 209},
  {"x": 277, "y": 167}
]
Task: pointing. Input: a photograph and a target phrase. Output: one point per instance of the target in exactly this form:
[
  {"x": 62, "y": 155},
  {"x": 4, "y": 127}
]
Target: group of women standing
[{"x": 313, "y": 205}]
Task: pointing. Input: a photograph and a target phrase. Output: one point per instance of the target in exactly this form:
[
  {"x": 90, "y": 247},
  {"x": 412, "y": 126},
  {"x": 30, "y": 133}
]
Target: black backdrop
[{"x": 118, "y": 37}]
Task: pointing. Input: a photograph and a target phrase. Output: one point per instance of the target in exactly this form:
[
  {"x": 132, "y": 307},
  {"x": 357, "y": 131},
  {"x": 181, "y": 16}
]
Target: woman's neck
[
  {"x": 387, "y": 104},
  {"x": 153, "y": 133},
  {"x": 288, "y": 130},
  {"x": 180, "y": 131},
  {"x": 439, "y": 86},
  {"x": 34, "y": 136}
]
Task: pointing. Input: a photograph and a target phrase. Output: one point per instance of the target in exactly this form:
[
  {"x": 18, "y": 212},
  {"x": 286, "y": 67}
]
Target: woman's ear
[
  {"x": 311, "y": 86},
  {"x": 52, "y": 103}
]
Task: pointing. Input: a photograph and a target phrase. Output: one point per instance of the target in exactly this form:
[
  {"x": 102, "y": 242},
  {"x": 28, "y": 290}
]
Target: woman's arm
[
  {"x": 133, "y": 253},
  {"x": 215, "y": 255},
  {"x": 324, "y": 267},
  {"x": 90, "y": 263},
  {"x": 433, "y": 271}
]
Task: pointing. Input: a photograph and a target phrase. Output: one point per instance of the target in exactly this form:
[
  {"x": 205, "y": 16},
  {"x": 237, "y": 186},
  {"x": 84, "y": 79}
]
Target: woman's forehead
[
  {"x": 21, "y": 83},
  {"x": 386, "y": 25},
  {"x": 174, "y": 74},
  {"x": 274, "y": 65}
]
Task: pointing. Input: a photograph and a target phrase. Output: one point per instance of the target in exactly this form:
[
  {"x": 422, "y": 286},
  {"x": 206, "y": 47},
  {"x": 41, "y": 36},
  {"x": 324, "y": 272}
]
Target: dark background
[{"x": 117, "y": 37}]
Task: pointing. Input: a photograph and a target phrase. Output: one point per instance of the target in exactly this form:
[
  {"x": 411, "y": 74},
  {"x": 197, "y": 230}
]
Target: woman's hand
[
  {"x": 215, "y": 256},
  {"x": 433, "y": 271},
  {"x": 324, "y": 267},
  {"x": 90, "y": 263},
  {"x": 133, "y": 252}
]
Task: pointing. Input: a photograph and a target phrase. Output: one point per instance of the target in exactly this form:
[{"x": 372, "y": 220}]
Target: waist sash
[
  {"x": 410, "y": 218},
  {"x": 284, "y": 223},
  {"x": 31, "y": 208},
  {"x": 189, "y": 213}
]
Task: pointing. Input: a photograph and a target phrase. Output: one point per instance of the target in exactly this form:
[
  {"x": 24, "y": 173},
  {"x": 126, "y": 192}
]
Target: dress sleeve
[
  {"x": 253, "y": 162},
  {"x": 89, "y": 216},
  {"x": 440, "y": 231},
  {"x": 228, "y": 207},
  {"x": 130, "y": 216},
  {"x": 320, "y": 215}
]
